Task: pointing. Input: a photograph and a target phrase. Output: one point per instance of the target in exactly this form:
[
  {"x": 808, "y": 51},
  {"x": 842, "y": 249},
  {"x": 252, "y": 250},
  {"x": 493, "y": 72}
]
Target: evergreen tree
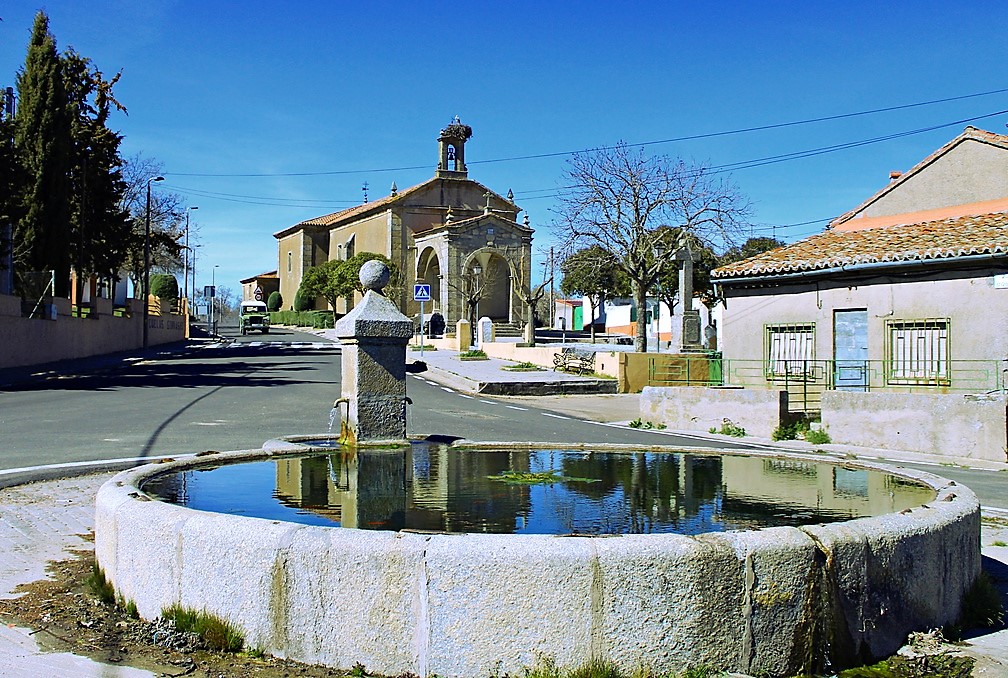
[
  {"x": 100, "y": 229},
  {"x": 42, "y": 148},
  {"x": 8, "y": 211}
]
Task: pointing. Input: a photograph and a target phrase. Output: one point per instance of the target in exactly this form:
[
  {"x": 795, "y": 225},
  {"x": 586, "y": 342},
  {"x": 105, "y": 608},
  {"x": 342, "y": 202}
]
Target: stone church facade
[{"x": 450, "y": 232}]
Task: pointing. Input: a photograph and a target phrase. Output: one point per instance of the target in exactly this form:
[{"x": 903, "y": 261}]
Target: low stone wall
[
  {"x": 756, "y": 602},
  {"x": 690, "y": 408},
  {"x": 35, "y": 341},
  {"x": 971, "y": 426}
]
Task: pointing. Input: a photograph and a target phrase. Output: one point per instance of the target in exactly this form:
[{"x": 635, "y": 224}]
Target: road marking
[
  {"x": 489, "y": 402},
  {"x": 462, "y": 395},
  {"x": 445, "y": 388},
  {"x": 520, "y": 409},
  {"x": 554, "y": 416}
]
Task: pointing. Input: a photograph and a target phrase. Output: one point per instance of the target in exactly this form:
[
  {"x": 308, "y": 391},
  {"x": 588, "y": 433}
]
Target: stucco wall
[
  {"x": 977, "y": 310},
  {"x": 686, "y": 408},
  {"x": 972, "y": 171},
  {"x": 954, "y": 424},
  {"x": 32, "y": 341},
  {"x": 479, "y": 604}
]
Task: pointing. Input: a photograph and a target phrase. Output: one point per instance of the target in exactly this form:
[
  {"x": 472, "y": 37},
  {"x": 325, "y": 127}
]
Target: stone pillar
[
  {"x": 373, "y": 337},
  {"x": 690, "y": 317},
  {"x": 463, "y": 334}
]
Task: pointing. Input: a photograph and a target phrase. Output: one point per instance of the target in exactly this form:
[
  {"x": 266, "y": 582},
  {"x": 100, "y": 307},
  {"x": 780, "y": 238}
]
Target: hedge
[{"x": 318, "y": 320}]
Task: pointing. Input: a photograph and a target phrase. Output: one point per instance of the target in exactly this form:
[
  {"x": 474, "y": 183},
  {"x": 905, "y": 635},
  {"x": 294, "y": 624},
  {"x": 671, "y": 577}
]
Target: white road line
[
  {"x": 463, "y": 395},
  {"x": 445, "y": 388},
  {"x": 520, "y": 409},
  {"x": 554, "y": 416},
  {"x": 488, "y": 402}
]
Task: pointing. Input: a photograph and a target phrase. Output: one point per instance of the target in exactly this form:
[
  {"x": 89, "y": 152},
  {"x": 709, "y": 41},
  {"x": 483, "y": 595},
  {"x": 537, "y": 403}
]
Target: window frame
[
  {"x": 920, "y": 359},
  {"x": 779, "y": 364}
]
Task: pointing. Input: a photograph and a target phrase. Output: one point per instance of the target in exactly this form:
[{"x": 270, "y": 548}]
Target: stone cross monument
[
  {"x": 690, "y": 317},
  {"x": 374, "y": 336}
]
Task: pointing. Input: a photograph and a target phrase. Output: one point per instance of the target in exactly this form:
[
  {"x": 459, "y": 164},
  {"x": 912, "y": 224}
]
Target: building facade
[
  {"x": 449, "y": 232},
  {"x": 908, "y": 292}
]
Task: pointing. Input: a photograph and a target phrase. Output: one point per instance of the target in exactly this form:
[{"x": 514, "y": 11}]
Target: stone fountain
[{"x": 466, "y": 604}]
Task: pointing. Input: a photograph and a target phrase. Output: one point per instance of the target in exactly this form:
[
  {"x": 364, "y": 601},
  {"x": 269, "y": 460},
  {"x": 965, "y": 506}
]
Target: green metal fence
[{"x": 806, "y": 380}]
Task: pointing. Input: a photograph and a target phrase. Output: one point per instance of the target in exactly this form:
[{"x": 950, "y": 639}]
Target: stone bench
[{"x": 574, "y": 360}]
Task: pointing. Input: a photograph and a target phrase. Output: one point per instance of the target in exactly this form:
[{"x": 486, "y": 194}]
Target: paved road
[{"x": 237, "y": 395}]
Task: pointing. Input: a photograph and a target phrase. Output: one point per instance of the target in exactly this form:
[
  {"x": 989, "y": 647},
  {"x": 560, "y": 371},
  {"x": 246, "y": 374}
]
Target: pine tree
[{"x": 42, "y": 148}]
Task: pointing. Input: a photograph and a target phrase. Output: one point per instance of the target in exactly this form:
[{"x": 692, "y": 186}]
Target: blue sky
[{"x": 290, "y": 91}]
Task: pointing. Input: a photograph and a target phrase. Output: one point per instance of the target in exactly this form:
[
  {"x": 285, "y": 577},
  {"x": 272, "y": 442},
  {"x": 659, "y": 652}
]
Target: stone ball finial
[{"x": 374, "y": 275}]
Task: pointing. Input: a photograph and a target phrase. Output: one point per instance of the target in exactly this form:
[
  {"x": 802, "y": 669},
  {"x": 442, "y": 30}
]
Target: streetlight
[
  {"x": 477, "y": 269},
  {"x": 146, "y": 281},
  {"x": 185, "y": 266},
  {"x": 213, "y": 300},
  {"x": 195, "y": 247}
]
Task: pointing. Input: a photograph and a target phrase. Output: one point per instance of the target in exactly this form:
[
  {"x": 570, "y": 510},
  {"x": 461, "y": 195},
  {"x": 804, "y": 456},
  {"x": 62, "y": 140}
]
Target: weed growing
[
  {"x": 729, "y": 428},
  {"x": 473, "y": 354},
  {"x": 646, "y": 425},
  {"x": 818, "y": 437},
  {"x": 100, "y": 585},
  {"x": 218, "y": 633}
]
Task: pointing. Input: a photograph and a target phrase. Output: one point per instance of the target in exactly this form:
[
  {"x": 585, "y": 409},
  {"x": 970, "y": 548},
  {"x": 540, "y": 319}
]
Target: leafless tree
[
  {"x": 529, "y": 294},
  {"x": 472, "y": 285},
  {"x": 167, "y": 219},
  {"x": 619, "y": 197}
]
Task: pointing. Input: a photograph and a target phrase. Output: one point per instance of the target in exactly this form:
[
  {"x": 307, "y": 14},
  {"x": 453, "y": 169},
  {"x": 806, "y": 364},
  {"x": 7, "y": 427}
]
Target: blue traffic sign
[{"x": 421, "y": 292}]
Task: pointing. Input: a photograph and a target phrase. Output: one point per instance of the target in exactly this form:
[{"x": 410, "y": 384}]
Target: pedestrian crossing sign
[{"x": 421, "y": 292}]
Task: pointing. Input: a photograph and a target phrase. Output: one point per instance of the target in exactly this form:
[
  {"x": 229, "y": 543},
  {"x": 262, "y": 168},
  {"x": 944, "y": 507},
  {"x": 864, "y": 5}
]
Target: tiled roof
[
  {"x": 929, "y": 240},
  {"x": 970, "y": 133},
  {"x": 349, "y": 214}
]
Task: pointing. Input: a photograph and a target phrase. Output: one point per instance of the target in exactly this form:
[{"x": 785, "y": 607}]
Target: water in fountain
[{"x": 541, "y": 491}]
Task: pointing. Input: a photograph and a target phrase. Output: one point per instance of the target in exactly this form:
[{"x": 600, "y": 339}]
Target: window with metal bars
[
  {"x": 918, "y": 351},
  {"x": 789, "y": 348}
]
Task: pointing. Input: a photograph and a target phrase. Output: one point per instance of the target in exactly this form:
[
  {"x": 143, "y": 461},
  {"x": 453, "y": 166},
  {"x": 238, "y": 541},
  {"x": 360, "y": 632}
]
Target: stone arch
[
  {"x": 496, "y": 301},
  {"x": 429, "y": 271}
]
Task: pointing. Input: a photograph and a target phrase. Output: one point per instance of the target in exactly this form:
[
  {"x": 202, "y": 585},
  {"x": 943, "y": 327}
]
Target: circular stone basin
[
  {"x": 774, "y": 601},
  {"x": 438, "y": 489}
]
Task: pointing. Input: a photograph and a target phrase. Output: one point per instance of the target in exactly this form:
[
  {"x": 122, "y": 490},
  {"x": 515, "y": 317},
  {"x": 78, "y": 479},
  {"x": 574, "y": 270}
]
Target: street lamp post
[
  {"x": 213, "y": 300},
  {"x": 146, "y": 279},
  {"x": 185, "y": 266}
]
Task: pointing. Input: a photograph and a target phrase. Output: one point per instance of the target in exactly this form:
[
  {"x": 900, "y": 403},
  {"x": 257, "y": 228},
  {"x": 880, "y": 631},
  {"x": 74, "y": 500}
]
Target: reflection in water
[{"x": 431, "y": 488}]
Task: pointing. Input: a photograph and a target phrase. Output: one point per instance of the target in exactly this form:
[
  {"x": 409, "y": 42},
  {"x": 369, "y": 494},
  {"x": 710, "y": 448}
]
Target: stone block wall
[
  {"x": 690, "y": 408},
  {"x": 958, "y": 425}
]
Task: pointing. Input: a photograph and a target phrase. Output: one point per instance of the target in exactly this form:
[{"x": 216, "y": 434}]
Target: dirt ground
[{"x": 67, "y": 616}]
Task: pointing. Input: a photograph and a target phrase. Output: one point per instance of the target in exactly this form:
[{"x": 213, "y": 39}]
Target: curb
[{"x": 34, "y": 474}]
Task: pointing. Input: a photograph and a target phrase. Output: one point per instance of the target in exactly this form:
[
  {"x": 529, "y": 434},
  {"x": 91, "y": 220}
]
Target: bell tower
[{"x": 451, "y": 150}]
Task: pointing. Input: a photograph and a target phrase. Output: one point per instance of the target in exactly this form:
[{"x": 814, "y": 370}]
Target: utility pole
[{"x": 552, "y": 308}]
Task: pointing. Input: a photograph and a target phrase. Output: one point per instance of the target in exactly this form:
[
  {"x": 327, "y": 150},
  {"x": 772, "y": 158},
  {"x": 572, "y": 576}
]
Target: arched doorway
[
  {"x": 429, "y": 272},
  {"x": 490, "y": 277}
]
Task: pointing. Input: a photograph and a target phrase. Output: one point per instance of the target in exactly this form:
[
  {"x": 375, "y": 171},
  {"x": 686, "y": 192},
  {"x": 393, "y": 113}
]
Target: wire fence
[{"x": 806, "y": 380}]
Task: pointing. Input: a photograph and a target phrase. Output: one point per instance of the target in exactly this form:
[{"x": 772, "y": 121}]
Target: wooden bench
[{"x": 574, "y": 360}]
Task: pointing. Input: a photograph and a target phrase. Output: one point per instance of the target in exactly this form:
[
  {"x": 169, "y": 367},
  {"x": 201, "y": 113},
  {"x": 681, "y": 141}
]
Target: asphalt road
[{"x": 259, "y": 387}]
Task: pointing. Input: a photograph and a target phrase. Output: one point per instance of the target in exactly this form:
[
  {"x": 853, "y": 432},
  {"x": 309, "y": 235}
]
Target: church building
[{"x": 450, "y": 232}]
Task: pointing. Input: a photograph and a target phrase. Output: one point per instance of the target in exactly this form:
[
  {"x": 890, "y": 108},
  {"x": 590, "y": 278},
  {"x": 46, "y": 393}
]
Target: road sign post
[{"x": 421, "y": 293}]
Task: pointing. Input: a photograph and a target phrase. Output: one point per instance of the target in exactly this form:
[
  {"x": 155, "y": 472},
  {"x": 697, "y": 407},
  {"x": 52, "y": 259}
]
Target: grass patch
[
  {"x": 818, "y": 437},
  {"x": 472, "y": 354},
  {"x": 646, "y": 425},
  {"x": 218, "y": 633},
  {"x": 537, "y": 478},
  {"x": 523, "y": 367},
  {"x": 422, "y": 347},
  {"x": 547, "y": 667},
  {"x": 100, "y": 585},
  {"x": 729, "y": 428},
  {"x": 999, "y": 543},
  {"x": 981, "y": 608}
]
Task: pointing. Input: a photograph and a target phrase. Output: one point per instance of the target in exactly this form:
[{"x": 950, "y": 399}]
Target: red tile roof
[
  {"x": 970, "y": 133},
  {"x": 929, "y": 240}
]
